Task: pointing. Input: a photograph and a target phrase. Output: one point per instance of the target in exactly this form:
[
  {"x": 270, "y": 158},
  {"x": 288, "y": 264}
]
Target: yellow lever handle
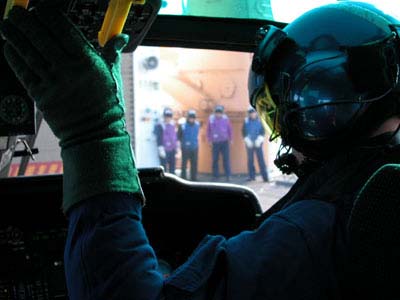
[
  {"x": 11, "y": 3},
  {"x": 115, "y": 18}
]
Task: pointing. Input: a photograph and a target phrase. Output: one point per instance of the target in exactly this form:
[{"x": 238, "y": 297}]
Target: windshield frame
[{"x": 205, "y": 32}]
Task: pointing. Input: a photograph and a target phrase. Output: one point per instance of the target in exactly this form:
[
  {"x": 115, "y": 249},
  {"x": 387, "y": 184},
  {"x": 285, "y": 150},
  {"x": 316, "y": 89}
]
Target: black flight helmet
[
  {"x": 167, "y": 112},
  {"x": 251, "y": 109},
  {"x": 191, "y": 114},
  {"x": 327, "y": 79},
  {"x": 219, "y": 109}
]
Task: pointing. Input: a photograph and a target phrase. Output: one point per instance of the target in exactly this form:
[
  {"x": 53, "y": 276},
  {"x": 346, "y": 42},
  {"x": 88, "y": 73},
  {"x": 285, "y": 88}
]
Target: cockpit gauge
[{"x": 14, "y": 109}]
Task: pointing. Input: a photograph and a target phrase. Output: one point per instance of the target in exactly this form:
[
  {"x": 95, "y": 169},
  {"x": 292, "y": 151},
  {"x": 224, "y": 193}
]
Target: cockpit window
[
  {"x": 164, "y": 87},
  {"x": 274, "y": 10}
]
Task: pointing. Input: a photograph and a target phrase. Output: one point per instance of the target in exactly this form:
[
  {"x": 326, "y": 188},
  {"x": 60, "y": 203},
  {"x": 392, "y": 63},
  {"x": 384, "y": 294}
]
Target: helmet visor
[
  {"x": 324, "y": 98},
  {"x": 320, "y": 93},
  {"x": 260, "y": 98}
]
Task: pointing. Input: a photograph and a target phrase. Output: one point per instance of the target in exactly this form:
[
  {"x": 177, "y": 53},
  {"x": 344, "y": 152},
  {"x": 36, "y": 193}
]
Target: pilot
[
  {"x": 253, "y": 134},
  {"x": 188, "y": 134},
  {"x": 167, "y": 140},
  {"x": 300, "y": 250},
  {"x": 219, "y": 135}
]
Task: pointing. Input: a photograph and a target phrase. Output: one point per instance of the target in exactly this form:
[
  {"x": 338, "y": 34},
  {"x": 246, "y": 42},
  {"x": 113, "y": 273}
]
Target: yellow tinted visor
[{"x": 268, "y": 112}]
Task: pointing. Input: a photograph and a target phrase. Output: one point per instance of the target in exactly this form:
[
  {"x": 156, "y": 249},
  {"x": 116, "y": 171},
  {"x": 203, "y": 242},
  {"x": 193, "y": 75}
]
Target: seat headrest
[{"x": 374, "y": 235}]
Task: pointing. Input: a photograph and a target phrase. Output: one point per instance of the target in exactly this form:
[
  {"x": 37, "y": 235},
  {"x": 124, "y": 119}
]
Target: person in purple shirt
[
  {"x": 167, "y": 141},
  {"x": 219, "y": 135}
]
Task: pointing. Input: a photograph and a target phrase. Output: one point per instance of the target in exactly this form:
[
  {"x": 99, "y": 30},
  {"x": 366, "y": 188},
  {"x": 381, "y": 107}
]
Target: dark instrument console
[
  {"x": 17, "y": 113},
  {"x": 178, "y": 214}
]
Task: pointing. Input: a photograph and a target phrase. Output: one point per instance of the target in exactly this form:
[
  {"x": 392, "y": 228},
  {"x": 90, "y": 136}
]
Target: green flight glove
[{"x": 79, "y": 92}]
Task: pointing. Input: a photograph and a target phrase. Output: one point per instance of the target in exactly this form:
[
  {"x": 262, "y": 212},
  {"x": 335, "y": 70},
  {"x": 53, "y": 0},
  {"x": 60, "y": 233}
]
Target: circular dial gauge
[{"x": 14, "y": 109}]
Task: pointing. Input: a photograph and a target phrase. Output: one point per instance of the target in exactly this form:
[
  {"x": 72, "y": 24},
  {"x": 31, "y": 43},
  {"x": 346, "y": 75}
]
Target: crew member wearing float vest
[
  {"x": 188, "y": 134},
  {"x": 254, "y": 134}
]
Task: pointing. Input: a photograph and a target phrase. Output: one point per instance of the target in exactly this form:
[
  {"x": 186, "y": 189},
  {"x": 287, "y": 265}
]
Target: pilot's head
[
  {"x": 191, "y": 116},
  {"x": 167, "y": 114},
  {"x": 219, "y": 111},
  {"x": 329, "y": 79}
]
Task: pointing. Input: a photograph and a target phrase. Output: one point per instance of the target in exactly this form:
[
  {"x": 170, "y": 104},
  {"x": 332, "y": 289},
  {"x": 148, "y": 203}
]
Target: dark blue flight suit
[
  {"x": 188, "y": 134},
  {"x": 298, "y": 252}
]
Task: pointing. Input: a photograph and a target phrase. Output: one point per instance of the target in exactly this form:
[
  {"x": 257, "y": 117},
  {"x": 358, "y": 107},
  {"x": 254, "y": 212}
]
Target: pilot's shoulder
[
  {"x": 302, "y": 229},
  {"x": 315, "y": 220},
  {"x": 309, "y": 212}
]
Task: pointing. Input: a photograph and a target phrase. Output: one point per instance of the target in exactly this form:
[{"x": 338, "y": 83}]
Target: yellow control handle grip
[
  {"x": 11, "y": 3},
  {"x": 115, "y": 18}
]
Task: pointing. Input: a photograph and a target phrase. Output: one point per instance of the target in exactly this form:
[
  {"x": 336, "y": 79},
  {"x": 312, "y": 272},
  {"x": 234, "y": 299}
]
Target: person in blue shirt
[
  {"x": 253, "y": 134},
  {"x": 188, "y": 134},
  {"x": 300, "y": 249},
  {"x": 167, "y": 140}
]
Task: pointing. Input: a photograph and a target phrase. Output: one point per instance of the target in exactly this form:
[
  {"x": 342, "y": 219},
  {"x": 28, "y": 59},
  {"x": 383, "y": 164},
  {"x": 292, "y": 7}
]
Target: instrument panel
[
  {"x": 177, "y": 216},
  {"x": 88, "y": 16},
  {"x": 32, "y": 263},
  {"x": 17, "y": 113}
]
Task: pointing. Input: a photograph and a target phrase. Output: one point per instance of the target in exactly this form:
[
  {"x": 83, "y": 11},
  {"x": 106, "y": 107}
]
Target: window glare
[{"x": 276, "y": 10}]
